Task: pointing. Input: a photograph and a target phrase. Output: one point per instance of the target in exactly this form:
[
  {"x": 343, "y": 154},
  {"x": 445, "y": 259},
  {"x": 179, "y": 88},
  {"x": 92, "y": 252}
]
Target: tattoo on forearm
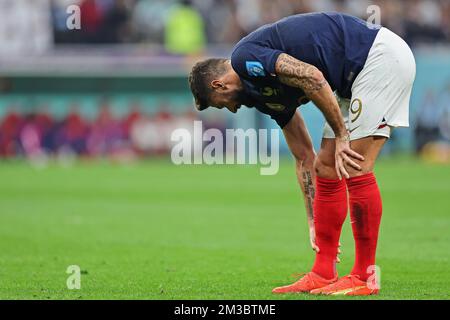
[
  {"x": 296, "y": 73},
  {"x": 302, "y": 75},
  {"x": 310, "y": 191}
]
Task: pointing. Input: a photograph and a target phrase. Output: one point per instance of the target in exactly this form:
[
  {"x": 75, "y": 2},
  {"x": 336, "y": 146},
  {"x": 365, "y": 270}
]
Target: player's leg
[
  {"x": 330, "y": 209},
  {"x": 365, "y": 213},
  {"x": 365, "y": 208},
  {"x": 330, "y": 203},
  {"x": 324, "y": 164},
  {"x": 380, "y": 99}
]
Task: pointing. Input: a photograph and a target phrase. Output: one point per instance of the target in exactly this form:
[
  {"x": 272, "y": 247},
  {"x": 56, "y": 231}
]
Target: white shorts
[{"x": 381, "y": 91}]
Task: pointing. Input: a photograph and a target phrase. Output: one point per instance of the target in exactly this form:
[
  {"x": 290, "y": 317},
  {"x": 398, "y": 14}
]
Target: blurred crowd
[
  {"x": 433, "y": 121},
  {"x": 40, "y": 134},
  {"x": 202, "y": 22}
]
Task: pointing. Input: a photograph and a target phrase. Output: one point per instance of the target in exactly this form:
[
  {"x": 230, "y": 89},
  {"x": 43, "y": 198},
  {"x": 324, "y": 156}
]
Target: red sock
[
  {"x": 365, "y": 213},
  {"x": 330, "y": 210}
]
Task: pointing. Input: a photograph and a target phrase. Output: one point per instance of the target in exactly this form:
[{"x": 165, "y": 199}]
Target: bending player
[{"x": 360, "y": 76}]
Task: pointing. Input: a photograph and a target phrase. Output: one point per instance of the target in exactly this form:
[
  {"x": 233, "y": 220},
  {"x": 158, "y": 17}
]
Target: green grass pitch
[{"x": 159, "y": 231}]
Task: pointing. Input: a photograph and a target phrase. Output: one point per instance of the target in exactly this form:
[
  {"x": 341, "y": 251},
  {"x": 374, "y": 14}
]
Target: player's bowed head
[{"x": 214, "y": 83}]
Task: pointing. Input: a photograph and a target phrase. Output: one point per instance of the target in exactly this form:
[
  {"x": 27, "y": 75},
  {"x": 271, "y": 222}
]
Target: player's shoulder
[
  {"x": 244, "y": 58},
  {"x": 242, "y": 49}
]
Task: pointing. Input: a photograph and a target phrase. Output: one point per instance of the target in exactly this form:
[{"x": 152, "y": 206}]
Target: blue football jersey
[{"x": 337, "y": 44}]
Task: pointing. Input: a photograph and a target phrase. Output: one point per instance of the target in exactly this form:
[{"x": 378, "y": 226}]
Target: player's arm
[
  {"x": 300, "y": 144},
  {"x": 296, "y": 73}
]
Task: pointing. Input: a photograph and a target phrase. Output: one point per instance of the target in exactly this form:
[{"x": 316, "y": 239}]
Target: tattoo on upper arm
[
  {"x": 296, "y": 73},
  {"x": 310, "y": 191}
]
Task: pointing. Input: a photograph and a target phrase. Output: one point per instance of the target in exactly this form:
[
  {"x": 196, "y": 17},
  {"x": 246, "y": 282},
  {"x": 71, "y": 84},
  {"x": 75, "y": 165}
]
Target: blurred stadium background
[
  {"x": 117, "y": 87},
  {"x": 85, "y": 107}
]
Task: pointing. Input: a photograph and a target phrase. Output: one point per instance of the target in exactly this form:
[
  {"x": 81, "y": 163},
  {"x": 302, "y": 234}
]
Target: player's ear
[{"x": 217, "y": 84}]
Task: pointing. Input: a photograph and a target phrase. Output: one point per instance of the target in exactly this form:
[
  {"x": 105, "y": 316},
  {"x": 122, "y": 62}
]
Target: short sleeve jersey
[{"x": 337, "y": 44}]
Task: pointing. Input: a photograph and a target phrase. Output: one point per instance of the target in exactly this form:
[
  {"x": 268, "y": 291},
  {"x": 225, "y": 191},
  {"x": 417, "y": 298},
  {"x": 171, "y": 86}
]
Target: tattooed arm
[
  {"x": 300, "y": 144},
  {"x": 296, "y": 73}
]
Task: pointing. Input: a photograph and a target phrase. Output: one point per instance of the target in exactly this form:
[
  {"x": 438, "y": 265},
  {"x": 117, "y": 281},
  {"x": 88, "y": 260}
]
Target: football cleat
[
  {"x": 350, "y": 285},
  {"x": 307, "y": 283}
]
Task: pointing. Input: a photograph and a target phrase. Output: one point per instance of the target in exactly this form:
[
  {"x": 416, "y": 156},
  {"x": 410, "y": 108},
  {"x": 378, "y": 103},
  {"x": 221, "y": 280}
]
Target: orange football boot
[
  {"x": 307, "y": 283},
  {"x": 349, "y": 285}
]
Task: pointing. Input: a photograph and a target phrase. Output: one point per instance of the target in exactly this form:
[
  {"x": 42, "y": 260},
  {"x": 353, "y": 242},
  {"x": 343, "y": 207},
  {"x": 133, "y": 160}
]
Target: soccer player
[{"x": 360, "y": 76}]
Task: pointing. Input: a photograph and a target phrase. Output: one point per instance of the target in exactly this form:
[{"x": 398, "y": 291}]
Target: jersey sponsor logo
[
  {"x": 255, "y": 69},
  {"x": 276, "y": 106}
]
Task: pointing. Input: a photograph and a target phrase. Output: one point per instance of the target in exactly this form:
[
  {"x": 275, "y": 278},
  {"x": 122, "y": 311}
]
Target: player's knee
[
  {"x": 365, "y": 169},
  {"x": 324, "y": 169}
]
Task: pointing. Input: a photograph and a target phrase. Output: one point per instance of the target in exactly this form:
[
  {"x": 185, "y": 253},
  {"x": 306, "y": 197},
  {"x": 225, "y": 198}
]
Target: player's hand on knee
[{"x": 344, "y": 155}]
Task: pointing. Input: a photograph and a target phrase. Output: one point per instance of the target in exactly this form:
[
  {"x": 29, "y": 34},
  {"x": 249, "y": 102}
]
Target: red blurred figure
[
  {"x": 75, "y": 131},
  {"x": 106, "y": 135},
  {"x": 92, "y": 19},
  {"x": 33, "y": 133},
  {"x": 44, "y": 122},
  {"x": 164, "y": 122},
  {"x": 134, "y": 115},
  {"x": 9, "y": 134}
]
